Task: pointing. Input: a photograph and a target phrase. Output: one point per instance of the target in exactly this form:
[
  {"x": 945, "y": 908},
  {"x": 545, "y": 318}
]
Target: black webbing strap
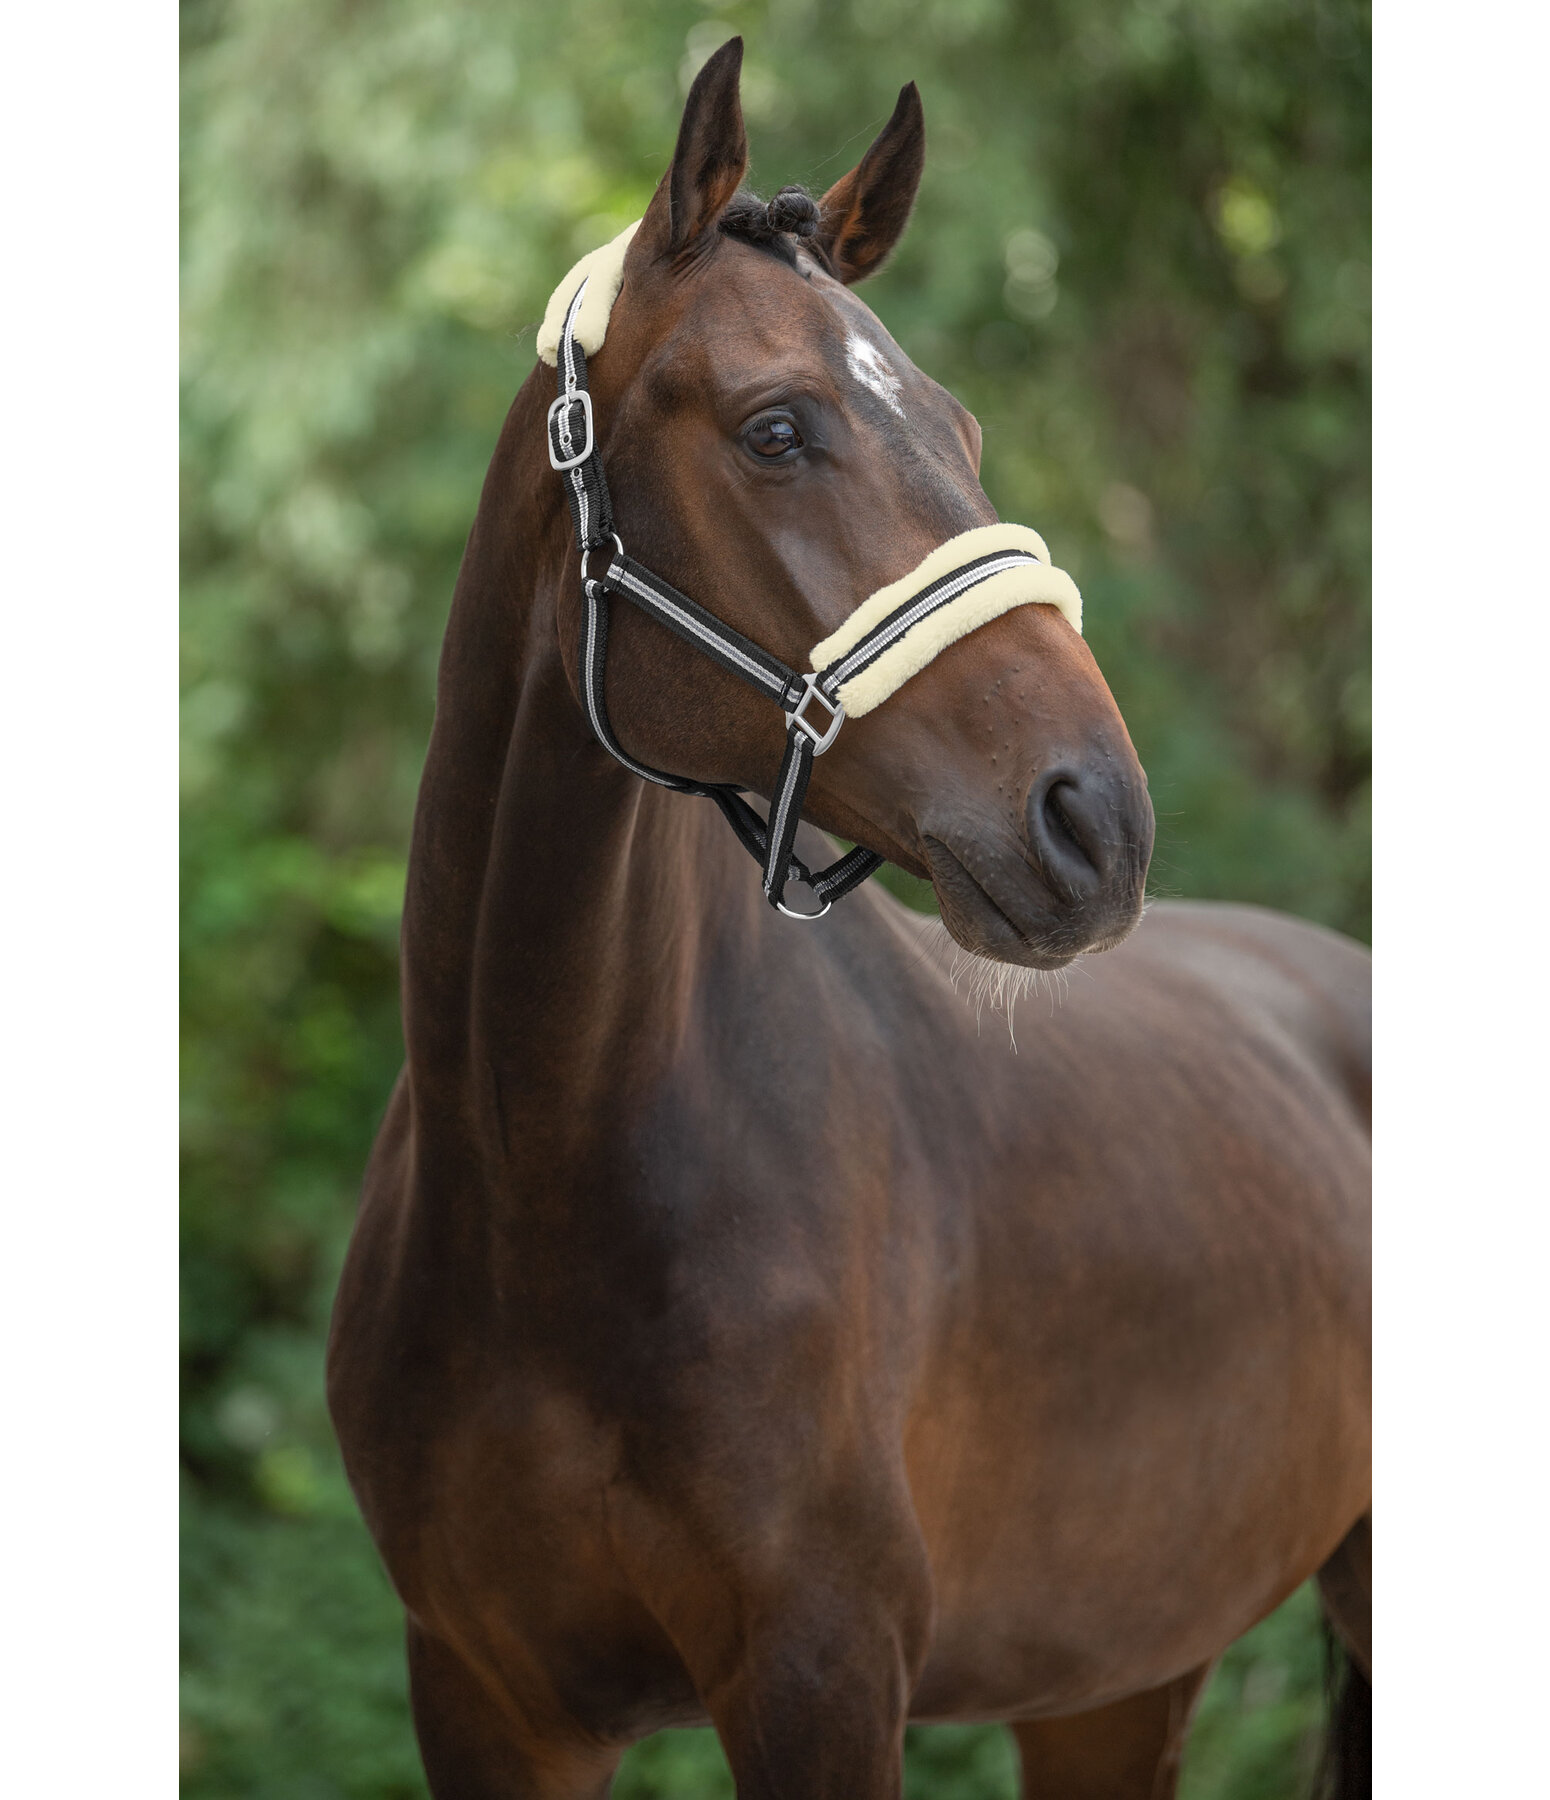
[
  {"x": 796, "y": 766},
  {"x": 573, "y": 452},
  {"x": 594, "y": 654},
  {"x": 738, "y": 655}
]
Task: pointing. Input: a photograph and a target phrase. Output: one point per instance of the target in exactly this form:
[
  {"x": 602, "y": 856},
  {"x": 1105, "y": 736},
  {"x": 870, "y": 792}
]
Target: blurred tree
[{"x": 1140, "y": 256}]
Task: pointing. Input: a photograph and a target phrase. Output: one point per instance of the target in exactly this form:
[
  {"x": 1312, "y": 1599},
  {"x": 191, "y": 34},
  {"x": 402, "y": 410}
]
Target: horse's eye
[{"x": 772, "y": 438}]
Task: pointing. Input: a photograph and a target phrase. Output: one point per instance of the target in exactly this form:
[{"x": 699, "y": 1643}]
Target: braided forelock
[{"x": 787, "y": 220}]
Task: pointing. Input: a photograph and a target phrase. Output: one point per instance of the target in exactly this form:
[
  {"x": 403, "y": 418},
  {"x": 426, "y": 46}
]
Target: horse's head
[{"x": 773, "y": 452}]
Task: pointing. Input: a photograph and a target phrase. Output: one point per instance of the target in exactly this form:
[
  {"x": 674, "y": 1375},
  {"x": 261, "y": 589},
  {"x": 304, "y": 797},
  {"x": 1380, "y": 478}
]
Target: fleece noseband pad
[{"x": 963, "y": 584}]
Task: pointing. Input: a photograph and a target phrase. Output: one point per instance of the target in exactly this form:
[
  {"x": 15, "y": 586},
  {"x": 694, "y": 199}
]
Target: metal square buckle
[
  {"x": 567, "y": 401},
  {"x": 798, "y": 716}
]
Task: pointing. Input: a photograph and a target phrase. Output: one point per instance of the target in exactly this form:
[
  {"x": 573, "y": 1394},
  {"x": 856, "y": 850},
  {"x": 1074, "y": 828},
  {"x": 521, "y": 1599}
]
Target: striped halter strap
[{"x": 891, "y": 636}]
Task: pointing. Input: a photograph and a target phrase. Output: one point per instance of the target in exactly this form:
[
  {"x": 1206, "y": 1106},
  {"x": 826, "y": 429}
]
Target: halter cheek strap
[{"x": 890, "y": 637}]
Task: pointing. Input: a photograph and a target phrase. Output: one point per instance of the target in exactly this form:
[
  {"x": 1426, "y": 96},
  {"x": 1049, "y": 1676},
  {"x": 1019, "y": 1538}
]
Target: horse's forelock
[{"x": 786, "y": 222}]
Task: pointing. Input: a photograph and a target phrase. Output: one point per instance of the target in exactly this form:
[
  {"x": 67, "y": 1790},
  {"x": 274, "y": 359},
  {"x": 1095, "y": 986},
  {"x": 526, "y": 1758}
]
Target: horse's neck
[{"x": 556, "y": 904}]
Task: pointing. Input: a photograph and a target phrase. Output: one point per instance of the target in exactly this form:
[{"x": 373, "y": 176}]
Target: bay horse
[{"x": 733, "y": 1331}]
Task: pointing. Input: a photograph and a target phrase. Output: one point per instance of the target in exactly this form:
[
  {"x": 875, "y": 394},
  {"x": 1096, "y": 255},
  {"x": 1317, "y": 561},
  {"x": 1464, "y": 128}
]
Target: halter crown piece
[{"x": 892, "y": 635}]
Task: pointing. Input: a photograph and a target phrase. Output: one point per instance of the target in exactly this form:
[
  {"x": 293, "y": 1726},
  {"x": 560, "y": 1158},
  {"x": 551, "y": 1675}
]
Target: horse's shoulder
[
  {"x": 1254, "y": 964},
  {"x": 1252, "y": 948},
  {"x": 1236, "y": 923}
]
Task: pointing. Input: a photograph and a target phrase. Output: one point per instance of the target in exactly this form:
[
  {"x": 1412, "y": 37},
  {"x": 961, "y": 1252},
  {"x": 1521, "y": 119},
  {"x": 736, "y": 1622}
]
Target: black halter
[
  {"x": 862, "y": 642},
  {"x": 573, "y": 452}
]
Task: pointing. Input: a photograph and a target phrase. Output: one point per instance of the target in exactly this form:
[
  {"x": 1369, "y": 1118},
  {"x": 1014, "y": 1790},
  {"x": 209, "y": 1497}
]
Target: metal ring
[
  {"x": 585, "y": 578},
  {"x": 803, "y": 882},
  {"x": 808, "y": 917}
]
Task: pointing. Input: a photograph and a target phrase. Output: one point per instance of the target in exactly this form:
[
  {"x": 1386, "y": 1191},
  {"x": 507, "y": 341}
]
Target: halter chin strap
[{"x": 890, "y": 637}]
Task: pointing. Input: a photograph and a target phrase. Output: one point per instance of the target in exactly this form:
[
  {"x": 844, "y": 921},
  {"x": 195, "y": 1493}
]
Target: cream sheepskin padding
[
  {"x": 603, "y": 271},
  {"x": 1023, "y": 586}
]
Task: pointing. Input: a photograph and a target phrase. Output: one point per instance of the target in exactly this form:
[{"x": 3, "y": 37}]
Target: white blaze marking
[{"x": 872, "y": 369}]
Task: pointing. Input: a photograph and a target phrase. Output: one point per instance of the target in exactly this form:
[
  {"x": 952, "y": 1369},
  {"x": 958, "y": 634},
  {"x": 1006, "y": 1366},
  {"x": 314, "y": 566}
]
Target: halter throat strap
[{"x": 890, "y": 637}]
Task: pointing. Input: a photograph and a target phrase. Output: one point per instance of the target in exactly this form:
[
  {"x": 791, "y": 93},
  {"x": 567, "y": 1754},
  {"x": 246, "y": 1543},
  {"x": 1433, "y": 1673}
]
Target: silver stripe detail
[
  {"x": 623, "y": 578},
  {"x": 888, "y": 635},
  {"x": 777, "y": 826},
  {"x": 569, "y": 338},
  {"x": 822, "y": 885},
  {"x": 581, "y": 496},
  {"x": 591, "y": 681}
]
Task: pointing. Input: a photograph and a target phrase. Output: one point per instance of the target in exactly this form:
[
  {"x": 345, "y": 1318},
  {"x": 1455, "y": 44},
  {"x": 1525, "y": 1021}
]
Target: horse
[{"x": 733, "y": 1331}]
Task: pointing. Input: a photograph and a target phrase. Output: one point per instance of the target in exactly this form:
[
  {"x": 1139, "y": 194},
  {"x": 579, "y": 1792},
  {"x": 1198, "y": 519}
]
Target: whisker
[{"x": 984, "y": 983}]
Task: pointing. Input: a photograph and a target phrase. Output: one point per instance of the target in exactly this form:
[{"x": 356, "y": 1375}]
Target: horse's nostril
[
  {"x": 1066, "y": 830},
  {"x": 1059, "y": 819}
]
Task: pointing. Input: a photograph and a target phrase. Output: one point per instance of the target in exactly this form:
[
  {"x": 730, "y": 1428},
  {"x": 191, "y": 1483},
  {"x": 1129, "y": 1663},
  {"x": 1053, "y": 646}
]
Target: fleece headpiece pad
[{"x": 603, "y": 271}]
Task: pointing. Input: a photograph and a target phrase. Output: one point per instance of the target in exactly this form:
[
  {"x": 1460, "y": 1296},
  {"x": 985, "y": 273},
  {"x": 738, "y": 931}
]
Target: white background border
[
  {"x": 88, "y": 898},
  {"x": 1461, "y": 704},
  {"x": 87, "y": 721}
]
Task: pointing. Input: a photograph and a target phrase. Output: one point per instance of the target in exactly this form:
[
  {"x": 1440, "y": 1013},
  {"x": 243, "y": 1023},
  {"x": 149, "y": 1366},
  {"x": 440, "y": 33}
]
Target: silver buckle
[
  {"x": 798, "y": 717},
  {"x": 561, "y": 464}
]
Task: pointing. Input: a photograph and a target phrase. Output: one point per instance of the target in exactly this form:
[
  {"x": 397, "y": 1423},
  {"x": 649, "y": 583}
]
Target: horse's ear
[
  {"x": 865, "y": 212},
  {"x": 709, "y": 162}
]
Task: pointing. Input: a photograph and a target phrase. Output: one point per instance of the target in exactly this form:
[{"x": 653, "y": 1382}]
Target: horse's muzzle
[{"x": 1072, "y": 879}]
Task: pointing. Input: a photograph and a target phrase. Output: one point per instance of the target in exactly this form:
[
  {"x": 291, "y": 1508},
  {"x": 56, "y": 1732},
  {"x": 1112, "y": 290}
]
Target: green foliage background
[{"x": 1140, "y": 256}]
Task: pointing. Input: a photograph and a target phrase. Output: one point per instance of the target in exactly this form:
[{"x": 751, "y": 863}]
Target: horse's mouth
[{"x": 1014, "y": 920}]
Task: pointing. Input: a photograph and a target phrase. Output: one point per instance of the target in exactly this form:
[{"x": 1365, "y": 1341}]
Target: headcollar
[{"x": 890, "y": 637}]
